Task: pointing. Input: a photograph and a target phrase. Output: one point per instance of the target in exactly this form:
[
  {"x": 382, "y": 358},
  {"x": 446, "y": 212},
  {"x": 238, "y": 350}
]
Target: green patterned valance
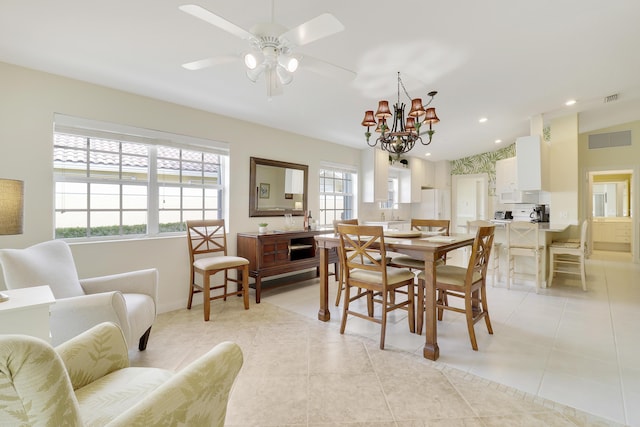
[
  {"x": 486, "y": 162},
  {"x": 483, "y": 163}
]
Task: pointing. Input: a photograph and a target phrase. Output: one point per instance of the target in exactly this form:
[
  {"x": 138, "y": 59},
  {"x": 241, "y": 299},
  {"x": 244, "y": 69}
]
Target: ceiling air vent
[
  {"x": 611, "y": 98},
  {"x": 610, "y": 139}
]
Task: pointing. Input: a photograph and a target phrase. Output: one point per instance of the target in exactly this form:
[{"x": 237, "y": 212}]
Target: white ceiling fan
[{"x": 272, "y": 48}]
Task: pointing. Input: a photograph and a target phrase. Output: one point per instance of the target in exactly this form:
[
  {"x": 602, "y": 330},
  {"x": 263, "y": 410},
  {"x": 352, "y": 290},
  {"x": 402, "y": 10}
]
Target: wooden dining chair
[
  {"x": 365, "y": 266},
  {"x": 208, "y": 254},
  {"x": 468, "y": 284},
  {"x": 435, "y": 226},
  {"x": 523, "y": 240},
  {"x": 339, "y": 271},
  {"x": 568, "y": 257},
  {"x": 494, "y": 265}
]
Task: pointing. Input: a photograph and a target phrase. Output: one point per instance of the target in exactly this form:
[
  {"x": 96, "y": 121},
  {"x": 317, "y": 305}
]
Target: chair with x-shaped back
[
  {"x": 365, "y": 267},
  {"x": 208, "y": 253}
]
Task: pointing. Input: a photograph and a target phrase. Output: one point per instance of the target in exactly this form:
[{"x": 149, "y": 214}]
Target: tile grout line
[
  {"x": 473, "y": 409},
  {"x": 553, "y": 347},
  {"x": 384, "y": 393},
  {"x": 615, "y": 346}
]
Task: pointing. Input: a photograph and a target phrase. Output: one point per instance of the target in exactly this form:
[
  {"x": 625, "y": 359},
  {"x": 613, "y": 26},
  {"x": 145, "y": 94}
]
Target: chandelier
[{"x": 403, "y": 135}]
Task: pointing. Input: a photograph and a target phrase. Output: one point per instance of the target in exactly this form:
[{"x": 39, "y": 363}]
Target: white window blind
[
  {"x": 114, "y": 181},
  {"x": 338, "y": 193}
]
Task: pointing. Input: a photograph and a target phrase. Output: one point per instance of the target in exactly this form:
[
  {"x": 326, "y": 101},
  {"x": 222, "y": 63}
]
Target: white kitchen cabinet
[
  {"x": 404, "y": 182},
  {"x": 442, "y": 174},
  {"x": 623, "y": 232},
  {"x": 429, "y": 174},
  {"x": 418, "y": 178},
  {"x": 375, "y": 173},
  {"x": 507, "y": 180},
  {"x": 611, "y": 231},
  {"x": 422, "y": 176},
  {"x": 531, "y": 164},
  {"x": 600, "y": 231}
]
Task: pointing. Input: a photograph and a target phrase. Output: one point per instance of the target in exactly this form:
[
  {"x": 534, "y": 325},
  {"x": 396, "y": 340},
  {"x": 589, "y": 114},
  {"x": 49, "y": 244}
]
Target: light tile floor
[{"x": 559, "y": 347}]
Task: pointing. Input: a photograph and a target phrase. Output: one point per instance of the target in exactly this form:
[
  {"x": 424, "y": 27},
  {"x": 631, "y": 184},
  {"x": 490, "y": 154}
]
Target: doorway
[
  {"x": 470, "y": 200},
  {"x": 610, "y": 211}
]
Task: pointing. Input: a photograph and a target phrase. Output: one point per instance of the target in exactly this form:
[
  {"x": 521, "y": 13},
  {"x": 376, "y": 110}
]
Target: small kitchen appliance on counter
[
  {"x": 502, "y": 215},
  {"x": 539, "y": 214}
]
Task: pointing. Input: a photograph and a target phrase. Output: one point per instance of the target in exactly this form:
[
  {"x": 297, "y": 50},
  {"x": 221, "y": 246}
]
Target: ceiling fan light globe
[
  {"x": 284, "y": 76},
  {"x": 288, "y": 62},
  {"x": 253, "y": 59},
  {"x": 292, "y": 65},
  {"x": 250, "y": 61},
  {"x": 255, "y": 73}
]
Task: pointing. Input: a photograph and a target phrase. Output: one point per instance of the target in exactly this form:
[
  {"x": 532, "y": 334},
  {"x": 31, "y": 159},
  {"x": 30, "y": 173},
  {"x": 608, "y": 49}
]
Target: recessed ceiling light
[
  {"x": 483, "y": 119},
  {"x": 498, "y": 141},
  {"x": 427, "y": 154},
  {"x": 570, "y": 102}
]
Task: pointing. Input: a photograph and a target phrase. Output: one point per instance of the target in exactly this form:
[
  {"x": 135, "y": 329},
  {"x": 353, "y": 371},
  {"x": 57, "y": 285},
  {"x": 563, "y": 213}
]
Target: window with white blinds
[
  {"x": 338, "y": 194},
  {"x": 113, "y": 184}
]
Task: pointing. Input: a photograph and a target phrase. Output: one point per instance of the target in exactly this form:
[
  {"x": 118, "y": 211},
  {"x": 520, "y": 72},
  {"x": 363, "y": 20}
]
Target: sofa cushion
[
  {"x": 48, "y": 263},
  {"x": 34, "y": 387},
  {"x": 104, "y": 399}
]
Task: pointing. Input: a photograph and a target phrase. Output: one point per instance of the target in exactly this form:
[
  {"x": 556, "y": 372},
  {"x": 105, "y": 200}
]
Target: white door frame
[
  {"x": 587, "y": 203},
  {"x": 482, "y": 203}
]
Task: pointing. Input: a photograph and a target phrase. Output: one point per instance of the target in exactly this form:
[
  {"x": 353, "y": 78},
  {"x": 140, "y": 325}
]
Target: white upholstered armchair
[
  {"x": 126, "y": 299},
  {"x": 87, "y": 381}
]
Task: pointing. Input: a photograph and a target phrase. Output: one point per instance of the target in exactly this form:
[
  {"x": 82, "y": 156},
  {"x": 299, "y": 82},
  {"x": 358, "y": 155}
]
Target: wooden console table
[{"x": 280, "y": 252}]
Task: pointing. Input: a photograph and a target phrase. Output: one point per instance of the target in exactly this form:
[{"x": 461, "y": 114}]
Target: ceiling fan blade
[
  {"x": 208, "y": 62},
  {"x": 326, "y": 69},
  {"x": 218, "y": 21},
  {"x": 319, "y": 27}
]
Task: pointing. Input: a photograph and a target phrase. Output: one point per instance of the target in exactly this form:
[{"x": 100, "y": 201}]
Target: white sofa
[
  {"x": 87, "y": 381},
  {"x": 126, "y": 299}
]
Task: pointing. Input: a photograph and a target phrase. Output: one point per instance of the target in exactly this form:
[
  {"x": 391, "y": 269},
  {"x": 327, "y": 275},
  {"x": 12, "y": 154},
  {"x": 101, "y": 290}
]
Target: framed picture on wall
[
  {"x": 288, "y": 195},
  {"x": 265, "y": 190}
]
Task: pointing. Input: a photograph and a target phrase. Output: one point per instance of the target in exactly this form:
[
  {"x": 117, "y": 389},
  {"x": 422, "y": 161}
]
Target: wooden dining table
[{"x": 429, "y": 248}]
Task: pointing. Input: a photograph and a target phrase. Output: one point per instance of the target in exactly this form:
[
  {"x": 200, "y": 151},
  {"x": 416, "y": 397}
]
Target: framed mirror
[{"x": 276, "y": 188}]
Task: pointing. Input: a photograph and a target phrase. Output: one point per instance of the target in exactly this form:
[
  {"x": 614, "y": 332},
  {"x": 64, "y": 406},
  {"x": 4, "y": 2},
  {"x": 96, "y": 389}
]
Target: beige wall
[
  {"x": 28, "y": 102},
  {"x": 611, "y": 158},
  {"x": 563, "y": 170},
  {"x": 616, "y": 158}
]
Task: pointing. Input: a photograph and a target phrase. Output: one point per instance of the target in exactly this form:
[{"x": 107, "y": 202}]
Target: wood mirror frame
[{"x": 268, "y": 194}]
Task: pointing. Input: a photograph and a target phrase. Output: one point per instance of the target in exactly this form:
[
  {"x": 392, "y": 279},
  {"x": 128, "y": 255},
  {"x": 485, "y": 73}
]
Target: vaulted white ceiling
[{"x": 501, "y": 59}]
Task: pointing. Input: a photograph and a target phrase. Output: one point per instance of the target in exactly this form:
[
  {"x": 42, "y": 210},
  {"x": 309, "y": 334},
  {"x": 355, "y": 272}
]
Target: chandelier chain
[{"x": 401, "y": 83}]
